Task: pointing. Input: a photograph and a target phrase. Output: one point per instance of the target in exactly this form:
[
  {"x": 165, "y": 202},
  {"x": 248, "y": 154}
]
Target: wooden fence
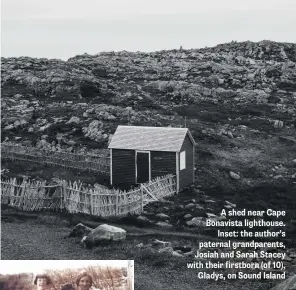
[
  {"x": 97, "y": 163},
  {"x": 76, "y": 198}
]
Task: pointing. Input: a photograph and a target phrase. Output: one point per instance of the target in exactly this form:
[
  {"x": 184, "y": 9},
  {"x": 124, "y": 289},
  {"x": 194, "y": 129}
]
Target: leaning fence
[
  {"x": 74, "y": 197},
  {"x": 97, "y": 163}
]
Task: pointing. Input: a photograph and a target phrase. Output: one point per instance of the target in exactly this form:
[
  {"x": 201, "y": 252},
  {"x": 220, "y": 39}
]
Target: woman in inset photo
[
  {"x": 43, "y": 282},
  {"x": 84, "y": 281}
]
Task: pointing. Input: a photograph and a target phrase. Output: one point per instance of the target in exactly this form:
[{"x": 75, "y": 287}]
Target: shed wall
[
  {"x": 123, "y": 168},
  {"x": 162, "y": 163},
  {"x": 186, "y": 175}
]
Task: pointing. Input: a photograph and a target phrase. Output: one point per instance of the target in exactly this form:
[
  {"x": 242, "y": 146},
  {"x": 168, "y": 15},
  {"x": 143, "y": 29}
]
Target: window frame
[{"x": 183, "y": 160}]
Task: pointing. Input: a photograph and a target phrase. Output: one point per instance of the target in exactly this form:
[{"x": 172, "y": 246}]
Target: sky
[
  {"x": 65, "y": 28},
  {"x": 38, "y": 266}
]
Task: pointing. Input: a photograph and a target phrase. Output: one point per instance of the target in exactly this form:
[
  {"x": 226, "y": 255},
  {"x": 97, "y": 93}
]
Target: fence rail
[
  {"x": 76, "y": 198},
  {"x": 98, "y": 163}
]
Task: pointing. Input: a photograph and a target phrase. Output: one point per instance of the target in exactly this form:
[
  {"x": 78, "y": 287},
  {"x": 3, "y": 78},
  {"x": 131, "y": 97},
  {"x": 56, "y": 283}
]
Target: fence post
[
  {"x": 90, "y": 192},
  {"x": 64, "y": 195},
  {"x": 116, "y": 204},
  {"x": 142, "y": 198},
  {"x": 21, "y": 203}
]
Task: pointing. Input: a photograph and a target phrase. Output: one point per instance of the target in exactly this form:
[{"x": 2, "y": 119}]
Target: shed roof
[{"x": 149, "y": 138}]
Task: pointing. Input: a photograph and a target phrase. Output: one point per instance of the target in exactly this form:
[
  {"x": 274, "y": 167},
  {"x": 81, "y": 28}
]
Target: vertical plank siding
[
  {"x": 123, "y": 168},
  {"x": 162, "y": 163},
  {"x": 187, "y": 173}
]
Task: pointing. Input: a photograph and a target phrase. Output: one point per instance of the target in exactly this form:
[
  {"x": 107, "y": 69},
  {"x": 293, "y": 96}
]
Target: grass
[{"x": 46, "y": 241}]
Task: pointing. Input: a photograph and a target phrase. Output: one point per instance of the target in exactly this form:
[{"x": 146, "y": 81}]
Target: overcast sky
[
  {"x": 37, "y": 267},
  {"x": 64, "y": 28}
]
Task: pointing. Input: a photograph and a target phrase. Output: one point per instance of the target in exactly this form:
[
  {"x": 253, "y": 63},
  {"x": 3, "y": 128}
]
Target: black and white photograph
[
  {"x": 158, "y": 132},
  {"x": 66, "y": 275}
]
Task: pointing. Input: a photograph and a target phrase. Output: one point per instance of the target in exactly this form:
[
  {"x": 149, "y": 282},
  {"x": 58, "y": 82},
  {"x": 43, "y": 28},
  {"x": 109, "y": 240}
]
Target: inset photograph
[{"x": 67, "y": 275}]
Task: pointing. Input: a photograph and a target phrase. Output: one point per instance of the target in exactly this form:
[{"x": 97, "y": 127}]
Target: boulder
[
  {"x": 196, "y": 222},
  {"x": 80, "y": 230},
  {"x": 189, "y": 206},
  {"x": 234, "y": 175},
  {"x": 74, "y": 120},
  {"x": 187, "y": 216},
  {"x": 164, "y": 225},
  {"x": 157, "y": 244},
  {"x": 143, "y": 221},
  {"x": 102, "y": 234},
  {"x": 288, "y": 284},
  {"x": 162, "y": 216}
]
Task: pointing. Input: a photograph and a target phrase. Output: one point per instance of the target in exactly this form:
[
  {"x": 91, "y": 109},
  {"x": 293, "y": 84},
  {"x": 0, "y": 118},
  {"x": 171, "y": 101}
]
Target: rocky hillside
[{"x": 237, "y": 99}]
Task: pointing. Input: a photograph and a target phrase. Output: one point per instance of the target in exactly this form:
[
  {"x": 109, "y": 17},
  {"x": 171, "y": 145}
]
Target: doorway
[{"x": 142, "y": 166}]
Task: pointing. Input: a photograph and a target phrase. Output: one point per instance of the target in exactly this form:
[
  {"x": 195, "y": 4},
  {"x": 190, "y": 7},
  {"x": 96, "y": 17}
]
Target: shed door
[{"x": 142, "y": 167}]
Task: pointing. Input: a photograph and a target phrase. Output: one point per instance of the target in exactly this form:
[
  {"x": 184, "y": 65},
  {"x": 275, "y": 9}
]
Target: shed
[{"x": 139, "y": 154}]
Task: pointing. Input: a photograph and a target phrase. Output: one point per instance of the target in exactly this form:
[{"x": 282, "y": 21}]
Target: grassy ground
[{"x": 43, "y": 237}]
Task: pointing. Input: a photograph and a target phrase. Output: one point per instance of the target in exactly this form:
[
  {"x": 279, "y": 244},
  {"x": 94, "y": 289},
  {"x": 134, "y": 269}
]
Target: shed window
[{"x": 182, "y": 160}]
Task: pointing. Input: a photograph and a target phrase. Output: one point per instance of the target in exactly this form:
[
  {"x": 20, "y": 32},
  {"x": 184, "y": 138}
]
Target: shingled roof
[{"x": 149, "y": 138}]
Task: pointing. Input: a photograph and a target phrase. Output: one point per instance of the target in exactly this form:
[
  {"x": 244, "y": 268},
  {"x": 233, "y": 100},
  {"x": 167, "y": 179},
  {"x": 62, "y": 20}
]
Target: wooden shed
[{"x": 139, "y": 154}]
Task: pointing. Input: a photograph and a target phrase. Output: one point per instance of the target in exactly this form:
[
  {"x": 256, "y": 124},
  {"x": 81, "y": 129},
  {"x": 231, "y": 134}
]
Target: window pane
[{"x": 182, "y": 160}]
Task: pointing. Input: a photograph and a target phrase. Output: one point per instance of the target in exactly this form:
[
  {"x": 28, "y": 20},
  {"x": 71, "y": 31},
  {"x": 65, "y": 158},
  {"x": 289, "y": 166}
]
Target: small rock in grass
[
  {"x": 176, "y": 254},
  {"x": 166, "y": 250},
  {"x": 187, "y": 216},
  {"x": 164, "y": 225},
  {"x": 80, "y": 230},
  {"x": 160, "y": 244},
  {"x": 229, "y": 203},
  {"x": 189, "y": 206},
  {"x": 234, "y": 175},
  {"x": 162, "y": 216}
]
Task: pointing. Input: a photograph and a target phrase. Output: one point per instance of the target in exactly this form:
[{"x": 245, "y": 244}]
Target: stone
[
  {"x": 164, "y": 225},
  {"x": 278, "y": 124},
  {"x": 196, "y": 222},
  {"x": 104, "y": 233},
  {"x": 187, "y": 216},
  {"x": 177, "y": 254},
  {"x": 234, "y": 175},
  {"x": 229, "y": 203},
  {"x": 166, "y": 250},
  {"x": 80, "y": 230},
  {"x": 210, "y": 201},
  {"x": 74, "y": 120},
  {"x": 188, "y": 254},
  {"x": 278, "y": 177},
  {"x": 157, "y": 244},
  {"x": 211, "y": 215},
  {"x": 162, "y": 216},
  {"x": 189, "y": 206},
  {"x": 199, "y": 207}
]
